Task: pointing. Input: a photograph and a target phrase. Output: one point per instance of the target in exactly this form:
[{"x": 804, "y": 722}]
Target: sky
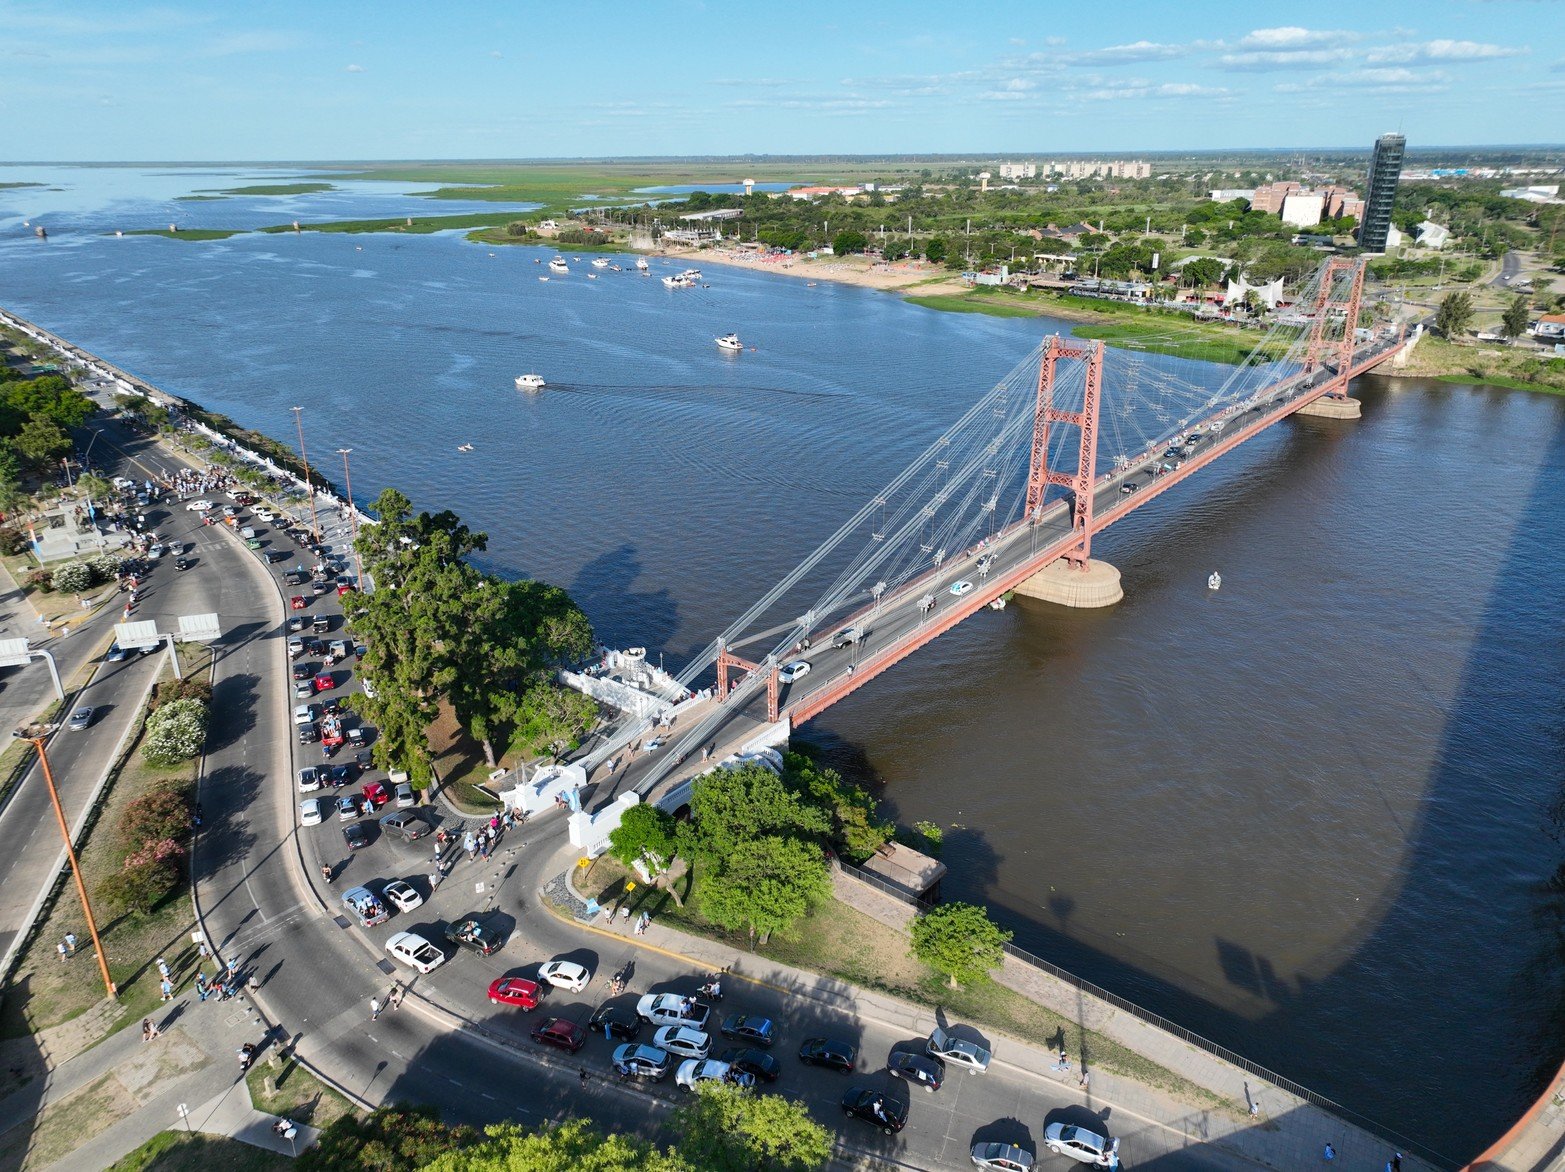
[{"x": 262, "y": 80}]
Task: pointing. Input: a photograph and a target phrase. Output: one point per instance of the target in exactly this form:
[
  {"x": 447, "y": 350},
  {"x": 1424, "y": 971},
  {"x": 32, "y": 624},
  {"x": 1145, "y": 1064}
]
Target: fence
[{"x": 1301, "y": 1092}]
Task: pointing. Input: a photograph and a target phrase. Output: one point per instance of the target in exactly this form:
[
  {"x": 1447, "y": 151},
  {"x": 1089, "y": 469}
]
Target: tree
[
  {"x": 724, "y": 1128},
  {"x": 506, "y": 1147},
  {"x": 1203, "y": 271},
  {"x": 1517, "y": 314},
  {"x": 959, "y": 941},
  {"x": 731, "y": 807},
  {"x": 935, "y": 250},
  {"x": 553, "y": 718},
  {"x": 644, "y": 832},
  {"x": 1454, "y": 314},
  {"x": 765, "y": 885},
  {"x": 73, "y": 577},
  {"x": 175, "y": 732},
  {"x": 42, "y": 442},
  {"x": 849, "y": 240},
  {"x": 388, "y": 1139}
]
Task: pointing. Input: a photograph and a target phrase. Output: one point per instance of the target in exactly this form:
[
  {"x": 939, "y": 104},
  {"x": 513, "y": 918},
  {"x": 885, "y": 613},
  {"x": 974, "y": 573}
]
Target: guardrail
[{"x": 1425, "y": 1153}]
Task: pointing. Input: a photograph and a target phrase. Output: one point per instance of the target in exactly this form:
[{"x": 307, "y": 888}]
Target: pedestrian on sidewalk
[
  {"x": 70, "y": 944},
  {"x": 1064, "y": 1063},
  {"x": 163, "y": 968},
  {"x": 1085, "y": 1079},
  {"x": 1395, "y": 1163},
  {"x": 167, "y": 987},
  {"x": 148, "y": 1030},
  {"x": 374, "y": 1008}
]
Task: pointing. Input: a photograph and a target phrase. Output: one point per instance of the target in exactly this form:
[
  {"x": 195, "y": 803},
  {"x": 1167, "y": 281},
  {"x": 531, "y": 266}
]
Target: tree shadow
[{"x": 603, "y": 586}]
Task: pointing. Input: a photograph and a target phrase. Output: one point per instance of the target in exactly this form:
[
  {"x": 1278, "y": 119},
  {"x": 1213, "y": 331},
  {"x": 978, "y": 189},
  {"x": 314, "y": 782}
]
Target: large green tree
[
  {"x": 42, "y": 442},
  {"x": 1454, "y": 314},
  {"x": 765, "y": 885},
  {"x": 725, "y": 1128},
  {"x": 731, "y": 807},
  {"x": 959, "y": 941},
  {"x": 571, "y": 1146},
  {"x": 389, "y": 1139},
  {"x": 643, "y": 832},
  {"x": 1517, "y": 314}
]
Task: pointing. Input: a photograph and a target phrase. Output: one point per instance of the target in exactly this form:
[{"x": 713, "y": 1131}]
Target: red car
[
  {"x": 375, "y": 793},
  {"x": 517, "y": 991},
  {"x": 325, "y": 682},
  {"x": 557, "y": 1031},
  {"x": 298, "y": 602},
  {"x": 343, "y": 588}
]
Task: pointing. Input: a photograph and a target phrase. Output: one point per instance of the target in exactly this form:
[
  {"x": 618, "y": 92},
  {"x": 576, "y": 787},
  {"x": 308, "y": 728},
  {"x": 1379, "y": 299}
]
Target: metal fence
[{"x": 1425, "y": 1153}]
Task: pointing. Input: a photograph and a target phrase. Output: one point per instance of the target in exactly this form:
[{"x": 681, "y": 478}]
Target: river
[{"x": 1315, "y": 815}]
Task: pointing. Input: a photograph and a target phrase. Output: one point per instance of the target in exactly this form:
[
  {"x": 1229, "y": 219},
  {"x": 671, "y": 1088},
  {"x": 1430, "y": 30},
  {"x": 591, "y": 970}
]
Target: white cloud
[
  {"x": 1293, "y": 37},
  {"x": 1136, "y": 51},
  {"x": 354, "y": 69},
  {"x": 1263, "y": 60},
  {"x": 253, "y": 42},
  {"x": 1443, "y": 50},
  {"x": 496, "y": 53}
]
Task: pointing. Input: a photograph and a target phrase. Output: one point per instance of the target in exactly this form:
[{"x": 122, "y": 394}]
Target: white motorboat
[
  {"x": 1215, "y": 582},
  {"x": 600, "y": 262},
  {"x": 730, "y": 342},
  {"x": 641, "y": 264},
  {"x": 689, "y": 279},
  {"x": 529, "y": 382},
  {"x": 558, "y": 265}
]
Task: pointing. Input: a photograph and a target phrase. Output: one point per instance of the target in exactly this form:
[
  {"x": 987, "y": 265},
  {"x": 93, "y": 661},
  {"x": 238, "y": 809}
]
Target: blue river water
[{"x": 1315, "y": 816}]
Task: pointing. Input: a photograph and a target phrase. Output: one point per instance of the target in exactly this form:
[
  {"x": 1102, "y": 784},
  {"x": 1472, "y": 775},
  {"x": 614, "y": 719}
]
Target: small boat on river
[
  {"x": 1215, "y": 581},
  {"x": 558, "y": 265},
  {"x": 529, "y": 382},
  {"x": 730, "y": 343}
]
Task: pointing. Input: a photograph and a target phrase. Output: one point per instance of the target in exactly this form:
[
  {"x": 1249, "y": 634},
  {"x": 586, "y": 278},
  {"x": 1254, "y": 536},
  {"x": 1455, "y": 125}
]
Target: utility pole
[
  {"x": 35, "y": 735},
  {"x": 353, "y": 516},
  {"x": 309, "y": 485}
]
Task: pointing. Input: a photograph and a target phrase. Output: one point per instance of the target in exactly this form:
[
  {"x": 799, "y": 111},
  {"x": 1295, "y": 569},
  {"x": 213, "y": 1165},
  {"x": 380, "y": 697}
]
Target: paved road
[{"x": 1510, "y": 266}]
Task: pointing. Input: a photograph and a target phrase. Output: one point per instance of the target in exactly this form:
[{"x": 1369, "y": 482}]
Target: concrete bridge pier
[
  {"x": 1095, "y": 584},
  {"x": 1332, "y": 407}
]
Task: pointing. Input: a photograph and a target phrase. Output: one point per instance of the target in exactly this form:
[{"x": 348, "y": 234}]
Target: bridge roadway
[{"x": 898, "y": 626}]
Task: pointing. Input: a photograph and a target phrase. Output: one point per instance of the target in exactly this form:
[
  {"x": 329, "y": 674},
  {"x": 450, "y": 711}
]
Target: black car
[
  {"x": 875, "y": 1108},
  {"x": 832, "y": 1053},
  {"x": 340, "y": 775},
  {"x": 182, "y": 563},
  {"x": 313, "y": 646},
  {"x": 355, "y": 836},
  {"x": 276, "y": 555},
  {"x": 303, "y": 670},
  {"x": 616, "y": 1022},
  {"x": 743, "y": 1027},
  {"x": 296, "y": 577},
  {"x": 309, "y": 734},
  {"x": 759, "y": 1063},
  {"x": 469, "y": 933},
  {"x": 922, "y": 1070}
]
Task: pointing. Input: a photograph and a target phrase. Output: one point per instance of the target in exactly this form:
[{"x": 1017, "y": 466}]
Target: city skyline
[{"x": 286, "y": 81}]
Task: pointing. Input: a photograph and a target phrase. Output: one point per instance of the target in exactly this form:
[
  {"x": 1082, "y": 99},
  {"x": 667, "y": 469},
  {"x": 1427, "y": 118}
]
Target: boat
[
  {"x": 641, "y": 264},
  {"x": 592, "y": 276},
  {"x": 688, "y": 279},
  {"x": 1215, "y": 582},
  {"x": 558, "y": 265},
  {"x": 543, "y": 278},
  {"x": 615, "y": 269},
  {"x": 601, "y": 262},
  {"x": 730, "y": 342},
  {"x": 529, "y": 382}
]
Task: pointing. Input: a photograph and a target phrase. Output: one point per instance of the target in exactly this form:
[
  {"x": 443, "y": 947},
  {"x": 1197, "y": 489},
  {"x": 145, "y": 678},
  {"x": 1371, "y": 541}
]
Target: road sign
[
  {"x": 135, "y": 636},
  {"x": 14, "y": 653},
  {"x": 198, "y": 628}
]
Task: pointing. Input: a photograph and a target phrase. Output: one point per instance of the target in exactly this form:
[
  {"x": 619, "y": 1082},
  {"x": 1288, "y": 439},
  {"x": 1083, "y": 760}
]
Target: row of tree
[
  {"x": 441, "y": 631},
  {"x": 36, "y": 415}
]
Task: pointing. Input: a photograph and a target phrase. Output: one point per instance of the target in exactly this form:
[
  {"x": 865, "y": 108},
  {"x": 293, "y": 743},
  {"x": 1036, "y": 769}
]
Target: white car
[
  {"x": 198, "y": 506},
  {"x": 697, "y": 1070},
  {"x": 401, "y": 895},
  {"x": 306, "y": 714},
  {"x": 310, "y": 812},
  {"x": 265, "y": 515},
  {"x": 671, "y": 1009},
  {"x": 157, "y": 550},
  {"x": 414, "y": 951},
  {"x": 565, "y": 974},
  {"x": 998, "y": 1157},
  {"x": 796, "y": 670},
  {"x": 682, "y": 1041},
  {"x": 961, "y": 588},
  {"x": 405, "y": 797},
  {"x": 1081, "y": 1145},
  {"x": 309, "y": 780},
  {"x": 943, "y": 1045}
]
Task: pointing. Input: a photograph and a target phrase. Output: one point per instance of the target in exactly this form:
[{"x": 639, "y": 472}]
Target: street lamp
[
  {"x": 309, "y": 485},
  {"x": 353, "y": 516},
  {"x": 36, "y": 735}
]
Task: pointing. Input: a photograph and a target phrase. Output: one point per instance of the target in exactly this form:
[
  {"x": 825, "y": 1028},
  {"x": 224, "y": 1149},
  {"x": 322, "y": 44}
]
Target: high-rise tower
[{"x": 1385, "y": 168}]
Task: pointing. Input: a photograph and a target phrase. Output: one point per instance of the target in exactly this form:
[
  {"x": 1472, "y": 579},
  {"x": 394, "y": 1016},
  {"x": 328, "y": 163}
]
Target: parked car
[
  {"x": 182, "y": 563},
  {"x": 832, "y": 1053},
  {"x": 699, "y": 1070},
  {"x": 875, "y": 1108},
  {"x": 325, "y": 682},
  {"x": 410, "y": 827},
  {"x": 355, "y": 836},
  {"x": 470, "y": 933},
  {"x": 303, "y": 690},
  {"x": 944, "y": 1045},
  {"x": 310, "y": 812},
  {"x": 918, "y": 1069},
  {"x": 683, "y": 1041},
  {"x": 309, "y": 779},
  {"x": 672, "y": 1009},
  {"x": 646, "y": 1062},
  {"x": 340, "y": 775},
  {"x": 560, "y": 1032},
  {"x": 295, "y": 648},
  {"x": 616, "y": 1022},
  {"x": 308, "y": 734},
  {"x": 306, "y": 714},
  {"x": 405, "y": 797},
  {"x": 759, "y": 1063},
  {"x": 742, "y": 1027},
  {"x": 401, "y": 895},
  {"x": 80, "y": 719},
  {"x": 565, "y": 974},
  {"x": 298, "y": 602},
  {"x": 998, "y": 1157},
  {"x": 414, "y": 951},
  {"x": 375, "y": 796},
  {"x": 517, "y": 991},
  {"x": 348, "y": 808},
  {"x": 1081, "y": 1145},
  {"x": 303, "y": 671},
  {"x": 365, "y": 906}
]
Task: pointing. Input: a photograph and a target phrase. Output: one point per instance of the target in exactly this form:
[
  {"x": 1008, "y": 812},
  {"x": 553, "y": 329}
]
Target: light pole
[
  {"x": 353, "y": 516},
  {"x": 36, "y": 735},
  {"x": 309, "y": 485}
]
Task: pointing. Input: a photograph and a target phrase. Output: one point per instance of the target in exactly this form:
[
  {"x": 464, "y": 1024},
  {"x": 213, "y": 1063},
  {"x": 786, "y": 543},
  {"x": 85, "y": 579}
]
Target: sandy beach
[{"x": 900, "y": 277}]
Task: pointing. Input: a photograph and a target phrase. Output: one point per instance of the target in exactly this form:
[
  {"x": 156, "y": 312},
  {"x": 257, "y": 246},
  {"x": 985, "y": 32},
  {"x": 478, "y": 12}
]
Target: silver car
[
  {"x": 1081, "y": 1145},
  {"x": 80, "y": 719},
  {"x": 944, "y": 1045},
  {"x": 997, "y": 1157}
]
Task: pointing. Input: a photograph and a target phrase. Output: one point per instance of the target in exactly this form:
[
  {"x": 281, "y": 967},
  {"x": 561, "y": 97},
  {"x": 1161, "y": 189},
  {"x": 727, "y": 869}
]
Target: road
[{"x": 1510, "y": 266}]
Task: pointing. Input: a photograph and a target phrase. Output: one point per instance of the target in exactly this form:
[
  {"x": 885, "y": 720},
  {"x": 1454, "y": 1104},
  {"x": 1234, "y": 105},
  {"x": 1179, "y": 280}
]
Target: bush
[
  {"x": 73, "y": 578},
  {"x": 197, "y": 687},
  {"x": 105, "y": 567},
  {"x": 40, "y": 580},
  {"x": 160, "y": 814},
  {"x": 14, "y": 540},
  {"x": 141, "y": 885},
  {"x": 175, "y": 732}
]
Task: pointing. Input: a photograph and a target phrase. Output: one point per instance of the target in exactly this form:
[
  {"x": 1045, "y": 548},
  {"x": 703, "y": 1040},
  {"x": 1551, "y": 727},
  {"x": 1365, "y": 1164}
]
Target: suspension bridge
[{"x": 1007, "y": 501}]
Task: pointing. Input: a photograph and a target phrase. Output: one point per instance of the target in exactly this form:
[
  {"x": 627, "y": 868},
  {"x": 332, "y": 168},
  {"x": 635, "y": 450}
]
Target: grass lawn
[
  {"x": 969, "y": 303},
  {"x": 183, "y": 1151},
  {"x": 186, "y": 233},
  {"x": 1205, "y": 343},
  {"x": 46, "y": 993},
  {"x": 295, "y": 1094},
  {"x": 839, "y": 941},
  {"x": 460, "y": 765}
]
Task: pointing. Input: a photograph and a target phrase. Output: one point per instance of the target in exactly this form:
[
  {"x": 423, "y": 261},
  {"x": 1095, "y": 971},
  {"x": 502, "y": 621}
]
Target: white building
[
  {"x": 1433, "y": 235},
  {"x": 1018, "y": 170},
  {"x": 1229, "y": 194},
  {"x": 1303, "y": 209},
  {"x": 1538, "y": 193}
]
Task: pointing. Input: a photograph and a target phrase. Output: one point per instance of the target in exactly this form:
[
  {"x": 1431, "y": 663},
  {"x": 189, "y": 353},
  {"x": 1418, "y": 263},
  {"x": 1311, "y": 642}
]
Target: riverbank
[
  {"x": 1493, "y": 366},
  {"x": 861, "y": 271}
]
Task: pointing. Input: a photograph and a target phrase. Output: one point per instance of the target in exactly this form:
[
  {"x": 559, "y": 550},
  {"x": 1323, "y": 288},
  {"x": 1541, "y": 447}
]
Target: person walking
[
  {"x": 60, "y": 948},
  {"x": 396, "y": 997},
  {"x": 374, "y": 1008},
  {"x": 167, "y": 988},
  {"x": 70, "y": 944},
  {"x": 162, "y": 968},
  {"x": 1329, "y": 1154}
]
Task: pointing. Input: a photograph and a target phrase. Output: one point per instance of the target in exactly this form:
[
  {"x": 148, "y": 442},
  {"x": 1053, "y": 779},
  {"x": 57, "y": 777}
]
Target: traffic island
[{"x": 1093, "y": 585}]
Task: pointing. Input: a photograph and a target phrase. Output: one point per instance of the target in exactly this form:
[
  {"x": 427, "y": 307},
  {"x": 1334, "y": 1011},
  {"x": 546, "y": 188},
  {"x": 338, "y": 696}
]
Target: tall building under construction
[{"x": 1385, "y": 168}]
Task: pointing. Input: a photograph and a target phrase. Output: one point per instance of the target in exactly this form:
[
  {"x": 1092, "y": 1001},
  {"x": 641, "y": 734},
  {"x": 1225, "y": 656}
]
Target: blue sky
[{"x": 282, "y": 80}]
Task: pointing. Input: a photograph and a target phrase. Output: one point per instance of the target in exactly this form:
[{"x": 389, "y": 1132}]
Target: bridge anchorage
[{"x": 1007, "y": 501}]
